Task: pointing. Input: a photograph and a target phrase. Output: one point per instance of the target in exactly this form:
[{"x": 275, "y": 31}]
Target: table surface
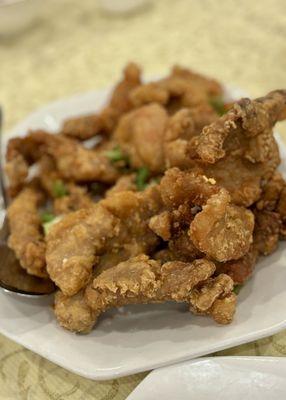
[{"x": 76, "y": 47}]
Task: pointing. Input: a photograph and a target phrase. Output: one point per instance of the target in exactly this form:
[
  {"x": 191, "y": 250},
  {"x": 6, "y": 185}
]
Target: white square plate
[{"x": 139, "y": 338}]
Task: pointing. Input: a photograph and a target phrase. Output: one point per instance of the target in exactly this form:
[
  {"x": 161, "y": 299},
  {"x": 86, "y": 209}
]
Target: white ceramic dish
[
  {"x": 140, "y": 338},
  {"x": 220, "y": 378}
]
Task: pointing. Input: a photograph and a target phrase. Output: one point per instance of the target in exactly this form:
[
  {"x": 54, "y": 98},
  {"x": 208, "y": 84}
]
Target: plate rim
[{"x": 107, "y": 374}]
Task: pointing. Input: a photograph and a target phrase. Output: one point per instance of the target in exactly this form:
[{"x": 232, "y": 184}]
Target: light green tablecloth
[{"x": 76, "y": 48}]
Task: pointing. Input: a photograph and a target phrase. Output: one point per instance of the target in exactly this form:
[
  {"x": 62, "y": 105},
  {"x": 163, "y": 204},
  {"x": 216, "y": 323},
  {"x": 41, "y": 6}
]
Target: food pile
[{"x": 168, "y": 193}]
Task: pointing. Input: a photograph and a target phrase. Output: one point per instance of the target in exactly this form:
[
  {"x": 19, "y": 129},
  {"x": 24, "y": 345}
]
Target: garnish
[
  {"x": 116, "y": 155},
  {"x": 218, "y": 105},
  {"x": 47, "y": 217},
  {"x": 59, "y": 189},
  {"x": 142, "y": 176},
  {"x": 47, "y": 225},
  {"x": 237, "y": 288}
]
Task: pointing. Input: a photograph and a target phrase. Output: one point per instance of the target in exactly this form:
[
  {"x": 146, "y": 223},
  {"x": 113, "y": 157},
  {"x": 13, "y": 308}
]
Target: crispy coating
[
  {"x": 266, "y": 233},
  {"x": 21, "y": 153},
  {"x": 71, "y": 160},
  {"x": 142, "y": 280},
  {"x": 243, "y": 140},
  {"x": 124, "y": 183},
  {"x": 76, "y": 199},
  {"x": 251, "y": 119},
  {"x": 161, "y": 224},
  {"x": 271, "y": 193},
  {"x": 74, "y": 162},
  {"x": 222, "y": 310},
  {"x": 17, "y": 171},
  {"x": 155, "y": 140},
  {"x": 221, "y": 230},
  {"x": 85, "y": 127},
  {"x": 140, "y": 134},
  {"x": 281, "y": 209},
  {"x": 26, "y": 238},
  {"x": 72, "y": 245},
  {"x": 73, "y": 313},
  {"x": 239, "y": 270},
  {"x": 182, "y": 88},
  {"x": 48, "y": 174},
  {"x": 183, "y": 248},
  {"x": 182, "y": 187},
  {"x": 118, "y": 224},
  {"x": 180, "y": 130}
]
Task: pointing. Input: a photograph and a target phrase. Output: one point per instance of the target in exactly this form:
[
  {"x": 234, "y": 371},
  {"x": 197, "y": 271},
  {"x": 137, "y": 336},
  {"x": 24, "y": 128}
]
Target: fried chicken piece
[
  {"x": 73, "y": 313},
  {"x": 17, "y": 171},
  {"x": 151, "y": 138},
  {"x": 149, "y": 93},
  {"x": 134, "y": 210},
  {"x": 179, "y": 188},
  {"x": 241, "y": 178},
  {"x": 222, "y": 310},
  {"x": 210, "y": 86},
  {"x": 266, "y": 232},
  {"x": 161, "y": 224},
  {"x": 243, "y": 140},
  {"x": 180, "y": 130},
  {"x": 21, "y": 153},
  {"x": 73, "y": 244},
  {"x": 164, "y": 255},
  {"x": 203, "y": 297},
  {"x": 142, "y": 280},
  {"x": 182, "y": 88},
  {"x": 76, "y": 163},
  {"x": 221, "y": 230},
  {"x": 76, "y": 199},
  {"x": 140, "y": 134},
  {"x": 71, "y": 160},
  {"x": 124, "y": 183},
  {"x": 271, "y": 193},
  {"x": 239, "y": 270},
  {"x": 48, "y": 174},
  {"x": 183, "y": 247},
  {"x": 26, "y": 237},
  {"x": 266, "y": 237},
  {"x": 118, "y": 224},
  {"x": 281, "y": 209},
  {"x": 85, "y": 127},
  {"x": 251, "y": 120}
]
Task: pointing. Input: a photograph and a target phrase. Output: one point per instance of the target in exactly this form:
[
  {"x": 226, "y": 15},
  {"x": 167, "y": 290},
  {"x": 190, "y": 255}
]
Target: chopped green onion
[
  {"x": 47, "y": 225},
  {"x": 141, "y": 178},
  {"x": 116, "y": 155},
  {"x": 47, "y": 217},
  {"x": 237, "y": 288},
  {"x": 59, "y": 189},
  {"x": 218, "y": 105}
]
